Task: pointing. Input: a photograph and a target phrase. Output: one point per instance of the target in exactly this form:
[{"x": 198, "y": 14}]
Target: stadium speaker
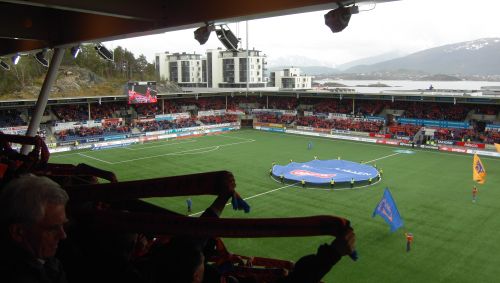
[
  {"x": 203, "y": 33},
  {"x": 338, "y": 19},
  {"x": 227, "y": 37},
  {"x": 75, "y": 50},
  {"x": 104, "y": 52},
  {"x": 4, "y": 65},
  {"x": 40, "y": 58}
]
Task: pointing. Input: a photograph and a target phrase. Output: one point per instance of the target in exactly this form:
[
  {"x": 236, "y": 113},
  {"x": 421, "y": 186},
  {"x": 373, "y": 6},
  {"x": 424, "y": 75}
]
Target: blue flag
[
  {"x": 387, "y": 209},
  {"x": 239, "y": 204}
]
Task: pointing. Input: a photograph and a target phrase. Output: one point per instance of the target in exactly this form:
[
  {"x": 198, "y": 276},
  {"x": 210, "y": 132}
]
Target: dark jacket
[{"x": 19, "y": 266}]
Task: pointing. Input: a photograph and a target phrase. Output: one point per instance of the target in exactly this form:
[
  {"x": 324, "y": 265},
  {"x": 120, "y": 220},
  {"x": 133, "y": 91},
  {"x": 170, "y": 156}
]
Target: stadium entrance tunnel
[{"x": 319, "y": 173}]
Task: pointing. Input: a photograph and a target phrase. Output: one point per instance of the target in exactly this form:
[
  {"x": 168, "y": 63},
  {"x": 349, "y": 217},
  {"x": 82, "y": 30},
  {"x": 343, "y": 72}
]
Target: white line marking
[
  {"x": 342, "y": 189},
  {"x": 63, "y": 155},
  {"x": 95, "y": 158},
  {"x": 267, "y": 192},
  {"x": 160, "y": 145},
  {"x": 180, "y": 152},
  {"x": 270, "y": 191},
  {"x": 231, "y": 137},
  {"x": 291, "y": 185},
  {"x": 297, "y": 183},
  {"x": 380, "y": 145},
  {"x": 384, "y": 157},
  {"x": 214, "y": 148},
  {"x": 336, "y": 140}
]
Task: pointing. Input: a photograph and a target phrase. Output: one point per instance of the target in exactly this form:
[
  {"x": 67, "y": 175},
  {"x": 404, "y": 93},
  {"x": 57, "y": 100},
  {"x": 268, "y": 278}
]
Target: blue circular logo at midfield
[{"x": 322, "y": 171}]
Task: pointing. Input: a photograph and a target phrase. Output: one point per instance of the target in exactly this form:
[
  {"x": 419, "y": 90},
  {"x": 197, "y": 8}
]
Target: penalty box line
[
  {"x": 164, "y": 143},
  {"x": 209, "y": 148}
]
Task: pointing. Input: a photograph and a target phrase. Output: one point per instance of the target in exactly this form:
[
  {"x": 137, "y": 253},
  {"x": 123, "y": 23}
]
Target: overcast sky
[{"x": 404, "y": 26}]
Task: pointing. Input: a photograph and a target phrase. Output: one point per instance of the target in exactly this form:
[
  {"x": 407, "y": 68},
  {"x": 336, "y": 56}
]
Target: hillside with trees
[{"x": 87, "y": 75}]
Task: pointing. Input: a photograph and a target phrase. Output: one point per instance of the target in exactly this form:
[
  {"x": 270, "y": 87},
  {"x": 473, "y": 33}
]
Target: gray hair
[{"x": 23, "y": 200}]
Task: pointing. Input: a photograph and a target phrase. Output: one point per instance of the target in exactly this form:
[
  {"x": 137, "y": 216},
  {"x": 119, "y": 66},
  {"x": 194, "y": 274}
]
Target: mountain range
[{"x": 479, "y": 57}]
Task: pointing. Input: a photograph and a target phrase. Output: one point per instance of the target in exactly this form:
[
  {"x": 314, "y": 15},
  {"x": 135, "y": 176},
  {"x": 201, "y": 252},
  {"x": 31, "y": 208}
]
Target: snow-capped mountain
[{"x": 477, "y": 57}]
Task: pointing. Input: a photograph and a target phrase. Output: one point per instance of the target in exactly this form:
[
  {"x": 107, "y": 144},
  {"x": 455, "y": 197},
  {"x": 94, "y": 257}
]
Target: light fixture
[
  {"x": 40, "y": 58},
  {"x": 15, "y": 59},
  {"x": 75, "y": 50},
  {"x": 338, "y": 19},
  {"x": 202, "y": 34},
  {"x": 4, "y": 65},
  {"x": 104, "y": 52},
  {"x": 227, "y": 37}
]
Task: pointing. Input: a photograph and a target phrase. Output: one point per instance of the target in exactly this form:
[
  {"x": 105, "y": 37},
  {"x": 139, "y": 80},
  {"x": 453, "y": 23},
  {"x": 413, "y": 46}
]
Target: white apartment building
[
  {"x": 219, "y": 69},
  {"x": 290, "y": 78},
  {"x": 188, "y": 70}
]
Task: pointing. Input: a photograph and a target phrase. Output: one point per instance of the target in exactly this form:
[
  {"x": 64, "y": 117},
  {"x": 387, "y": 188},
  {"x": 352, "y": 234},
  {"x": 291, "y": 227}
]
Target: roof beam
[{"x": 62, "y": 23}]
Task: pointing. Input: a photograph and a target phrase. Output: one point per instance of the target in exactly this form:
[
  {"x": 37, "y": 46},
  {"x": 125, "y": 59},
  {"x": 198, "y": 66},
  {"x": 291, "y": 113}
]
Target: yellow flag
[
  {"x": 478, "y": 170},
  {"x": 498, "y": 147}
]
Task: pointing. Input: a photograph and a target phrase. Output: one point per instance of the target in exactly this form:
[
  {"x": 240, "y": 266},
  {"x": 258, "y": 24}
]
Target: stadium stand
[
  {"x": 315, "y": 112},
  {"x": 370, "y": 117},
  {"x": 11, "y": 117}
]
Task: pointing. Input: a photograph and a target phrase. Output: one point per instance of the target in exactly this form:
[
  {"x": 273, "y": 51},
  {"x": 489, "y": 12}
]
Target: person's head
[
  {"x": 32, "y": 214},
  {"x": 180, "y": 261}
]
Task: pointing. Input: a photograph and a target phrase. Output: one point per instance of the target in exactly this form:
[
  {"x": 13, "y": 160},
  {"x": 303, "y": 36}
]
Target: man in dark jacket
[{"x": 32, "y": 215}]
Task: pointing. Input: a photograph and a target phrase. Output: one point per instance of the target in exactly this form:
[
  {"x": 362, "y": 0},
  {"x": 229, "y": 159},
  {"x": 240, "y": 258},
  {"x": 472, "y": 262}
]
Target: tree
[
  {"x": 125, "y": 66},
  {"x": 21, "y": 75},
  {"x": 142, "y": 65},
  {"x": 89, "y": 59}
]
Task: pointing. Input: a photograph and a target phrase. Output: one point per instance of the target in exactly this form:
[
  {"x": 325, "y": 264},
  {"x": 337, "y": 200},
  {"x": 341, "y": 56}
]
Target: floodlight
[
  {"x": 104, "y": 52},
  {"x": 203, "y": 33},
  {"x": 338, "y": 19},
  {"x": 40, "y": 58},
  {"x": 4, "y": 65},
  {"x": 75, "y": 50},
  {"x": 15, "y": 59},
  {"x": 227, "y": 37}
]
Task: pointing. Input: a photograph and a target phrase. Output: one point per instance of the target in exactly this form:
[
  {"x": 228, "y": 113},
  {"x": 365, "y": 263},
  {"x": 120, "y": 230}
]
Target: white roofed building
[
  {"x": 228, "y": 69},
  {"x": 219, "y": 69},
  {"x": 290, "y": 78},
  {"x": 187, "y": 70}
]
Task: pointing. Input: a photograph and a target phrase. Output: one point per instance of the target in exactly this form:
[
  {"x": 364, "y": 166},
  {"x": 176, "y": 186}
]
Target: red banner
[
  {"x": 471, "y": 144},
  {"x": 385, "y": 136},
  {"x": 452, "y": 149},
  {"x": 388, "y": 142},
  {"x": 111, "y": 120}
]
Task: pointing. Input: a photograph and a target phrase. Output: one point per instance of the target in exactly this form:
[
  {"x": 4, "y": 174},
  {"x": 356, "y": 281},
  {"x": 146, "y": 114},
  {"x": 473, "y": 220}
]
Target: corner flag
[
  {"x": 478, "y": 170},
  {"x": 387, "y": 209}
]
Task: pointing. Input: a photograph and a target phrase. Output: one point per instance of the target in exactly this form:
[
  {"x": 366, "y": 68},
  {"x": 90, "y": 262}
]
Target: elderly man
[{"x": 32, "y": 216}]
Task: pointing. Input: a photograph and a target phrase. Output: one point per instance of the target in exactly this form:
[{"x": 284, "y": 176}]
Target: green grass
[{"x": 455, "y": 240}]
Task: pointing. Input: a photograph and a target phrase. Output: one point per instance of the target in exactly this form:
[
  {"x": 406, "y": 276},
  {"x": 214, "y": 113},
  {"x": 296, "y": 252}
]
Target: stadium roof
[{"x": 26, "y": 26}]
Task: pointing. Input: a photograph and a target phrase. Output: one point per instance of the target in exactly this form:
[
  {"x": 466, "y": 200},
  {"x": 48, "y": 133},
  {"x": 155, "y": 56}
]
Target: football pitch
[{"x": 455, "y": 240}]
